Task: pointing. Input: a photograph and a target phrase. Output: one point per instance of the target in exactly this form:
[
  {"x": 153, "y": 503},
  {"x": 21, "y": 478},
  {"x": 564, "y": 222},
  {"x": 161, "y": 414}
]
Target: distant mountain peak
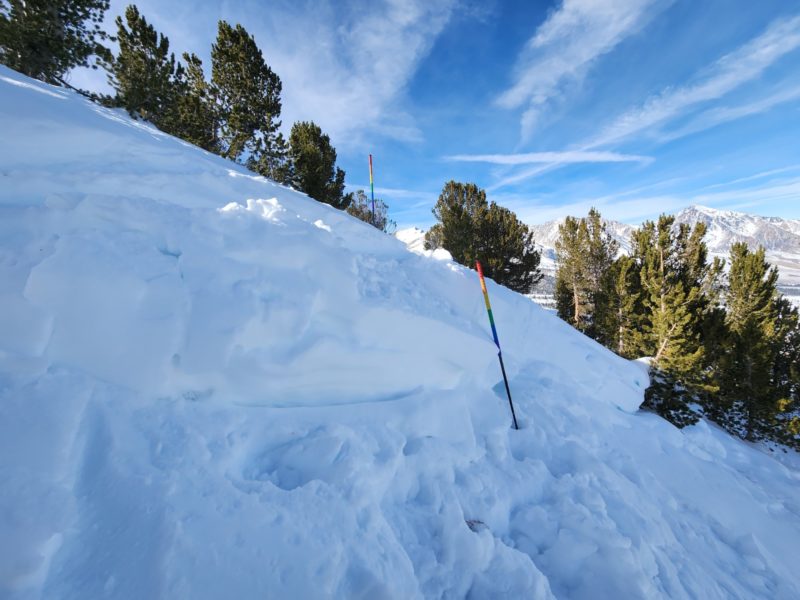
[
  {"x": 780, "y": 237},
  {"x": 706, "y": 210}
]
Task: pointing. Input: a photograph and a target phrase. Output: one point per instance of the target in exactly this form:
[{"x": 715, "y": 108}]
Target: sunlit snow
[{"x": 216, "y": 387}]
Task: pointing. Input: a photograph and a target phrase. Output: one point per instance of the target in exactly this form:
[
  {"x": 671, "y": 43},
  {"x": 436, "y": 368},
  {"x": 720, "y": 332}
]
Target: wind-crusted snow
[{"x": 212, "y": 386}]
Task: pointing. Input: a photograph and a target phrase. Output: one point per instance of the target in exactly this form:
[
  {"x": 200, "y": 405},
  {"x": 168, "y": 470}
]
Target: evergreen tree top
[
  {"x": 44, "y": 39},
  {"x": 247, "y": 94}
]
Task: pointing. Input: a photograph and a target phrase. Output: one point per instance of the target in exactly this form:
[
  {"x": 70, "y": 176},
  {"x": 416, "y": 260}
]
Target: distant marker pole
[
  {"x": 496, "y": 340},
  {"x": 372, "y": 189}
]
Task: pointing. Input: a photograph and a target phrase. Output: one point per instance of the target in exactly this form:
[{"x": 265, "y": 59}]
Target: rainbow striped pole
[
  {"x": 496, "y": 340},
  {"x": 372, "y": 189}
]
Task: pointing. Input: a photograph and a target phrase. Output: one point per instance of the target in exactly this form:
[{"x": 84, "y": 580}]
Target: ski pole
[{"x": 496, "y": 340}]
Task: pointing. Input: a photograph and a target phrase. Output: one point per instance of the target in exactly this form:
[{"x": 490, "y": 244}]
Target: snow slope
[{"x": 212, "y": 386}]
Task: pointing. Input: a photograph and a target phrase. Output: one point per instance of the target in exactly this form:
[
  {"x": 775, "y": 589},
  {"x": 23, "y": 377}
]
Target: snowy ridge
[
  {"x": 780, "y": 238},
  {"x": 546, "y": 234},
  {"x": 212, "y": 386}
]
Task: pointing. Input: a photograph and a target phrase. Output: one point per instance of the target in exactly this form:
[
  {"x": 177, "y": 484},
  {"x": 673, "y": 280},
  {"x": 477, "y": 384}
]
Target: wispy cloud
[
  {"x": 523, "y": 175},
  {"x": 628, "y": 211},
  {"x": 754, "y": 177},
  {"x": 733, "y": 70},
  {"x": 728, "y": 73},
  {"x": 638, "y": 208},
  {"x": 561, "y": 158},
  {"x": 344, "y": 66},
  {"x": 544, "y": 162},
  {"x": 396, "y": 193},
  {"x": 718, "y": 116},
  {"x": 347, "y": 67},
  {"x": 565, "y": 46}
]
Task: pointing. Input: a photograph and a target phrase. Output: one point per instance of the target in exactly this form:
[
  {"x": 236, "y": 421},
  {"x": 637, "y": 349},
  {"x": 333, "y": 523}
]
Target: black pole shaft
[{"x": 508, "y": 391}]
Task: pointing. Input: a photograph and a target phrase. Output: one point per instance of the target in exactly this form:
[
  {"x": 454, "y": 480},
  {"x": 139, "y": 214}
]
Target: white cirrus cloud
[
  {"x": 755, "y": 176},
  {"x": 346, "y": 66},
  {"x": 633, "y": 210},
  {"x": 550, "y": 158},
  {"x": 565, "y": 46},
  {"x": 733, "y": 70},
  {"x": 724, "y": 114},
  {"x": 394, "y": 193},
  {"x": 743, "y": 65}
]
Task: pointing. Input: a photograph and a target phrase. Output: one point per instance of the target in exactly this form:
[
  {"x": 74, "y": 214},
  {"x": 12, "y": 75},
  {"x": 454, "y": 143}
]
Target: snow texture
[{"x": 212, "y": 386}]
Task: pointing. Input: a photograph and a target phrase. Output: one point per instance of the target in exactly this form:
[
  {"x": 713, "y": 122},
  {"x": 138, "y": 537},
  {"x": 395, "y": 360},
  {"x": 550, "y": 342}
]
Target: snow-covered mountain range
[
  {"x": 213, "y": 386},
  {"x": 780, "y": 238},
  {"x": 546, "y": 234}
]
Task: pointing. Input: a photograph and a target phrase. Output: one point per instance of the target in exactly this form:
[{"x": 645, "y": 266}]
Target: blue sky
[{"x": 634, "y": 106}]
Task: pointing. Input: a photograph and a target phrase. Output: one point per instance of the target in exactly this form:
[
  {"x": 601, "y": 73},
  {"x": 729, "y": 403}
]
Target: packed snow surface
[{"x": 212, "y": 386}]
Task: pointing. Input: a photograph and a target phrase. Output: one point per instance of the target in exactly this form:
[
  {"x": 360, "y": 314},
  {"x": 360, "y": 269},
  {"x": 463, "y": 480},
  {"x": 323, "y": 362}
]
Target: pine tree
[
  {"x": 676, "y": 284},
  {"x": 313, "y": 164},
  {"x": 602, "y": 252},
  {"x": 751, "y": 321},
  {"x": 144, "y": 72},
  {"x": 195, "y": 118},
  {"x": 507, "y": 250},
  {"x": 786, "y": 373},
  {"x": 572, "y": 273},
  {"x": 271, "y": 159},
  {"x": 714, "y": 338},
  {"x": 459, "y": 207},
  {"x": 585, "y": 254},
  {"x": 759, "y": 370},
  {"x": 151, "y": 85},
  {"x": 45, "y": 39},
  {"x": 361, "y": 208},
  {"x": 695, "y": 271},
  {"x": 471, "y": 229},
  {"x": 247, "y": 94},
  {"x": 671, "y": 324},
  {"x": 621, "y": 322}
]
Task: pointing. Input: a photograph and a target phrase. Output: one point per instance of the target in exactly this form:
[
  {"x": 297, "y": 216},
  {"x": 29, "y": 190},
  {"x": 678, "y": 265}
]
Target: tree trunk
[
  {"x": 576, "y": 303},
  {"x": 748, "y": 403}
]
